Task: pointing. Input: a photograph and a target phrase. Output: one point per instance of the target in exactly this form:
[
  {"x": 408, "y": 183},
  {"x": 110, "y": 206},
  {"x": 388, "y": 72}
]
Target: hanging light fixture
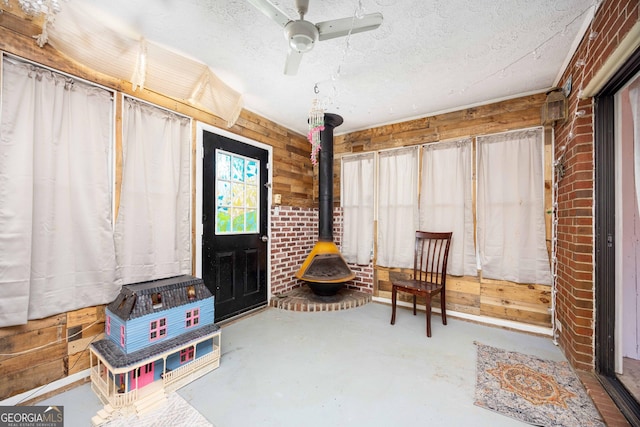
[
  {"x": 316, "y": 115},
  {"x": 316, "y": 125}
]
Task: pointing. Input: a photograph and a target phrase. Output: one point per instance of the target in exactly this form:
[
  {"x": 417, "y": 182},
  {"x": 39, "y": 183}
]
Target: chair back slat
[{"x": 431, "y": 256}]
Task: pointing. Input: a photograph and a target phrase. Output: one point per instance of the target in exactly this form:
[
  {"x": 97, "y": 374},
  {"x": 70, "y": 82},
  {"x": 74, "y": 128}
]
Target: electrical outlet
[{"x": 277, "y": 199}]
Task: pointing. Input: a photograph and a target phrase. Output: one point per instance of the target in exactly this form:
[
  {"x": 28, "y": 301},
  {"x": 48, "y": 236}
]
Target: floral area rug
[
  {"x": 176, "y": 412},
  {"x": 535, "y": 391}
]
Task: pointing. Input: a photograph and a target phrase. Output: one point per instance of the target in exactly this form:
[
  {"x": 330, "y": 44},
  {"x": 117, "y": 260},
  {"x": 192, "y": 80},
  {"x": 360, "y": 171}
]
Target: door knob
[{"x": 265, "y": 238}]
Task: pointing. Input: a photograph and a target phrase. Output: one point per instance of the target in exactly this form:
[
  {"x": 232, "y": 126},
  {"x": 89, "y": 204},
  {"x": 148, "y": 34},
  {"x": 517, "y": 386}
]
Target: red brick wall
[
  {"x": 294, "y": 231},
  {"x": 575, "y": 141}
]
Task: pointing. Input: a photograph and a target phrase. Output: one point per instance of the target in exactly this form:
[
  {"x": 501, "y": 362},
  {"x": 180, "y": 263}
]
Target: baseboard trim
[
  {"x": 28, "y": 396},
  {"x": 503, "y": 323}
]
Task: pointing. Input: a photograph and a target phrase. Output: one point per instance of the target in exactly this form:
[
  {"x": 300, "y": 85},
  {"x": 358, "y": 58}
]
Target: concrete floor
[{"x": 343, "y": 368}]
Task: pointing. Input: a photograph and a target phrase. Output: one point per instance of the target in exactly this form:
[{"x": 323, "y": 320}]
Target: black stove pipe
[{"x": 325, "y": 178}]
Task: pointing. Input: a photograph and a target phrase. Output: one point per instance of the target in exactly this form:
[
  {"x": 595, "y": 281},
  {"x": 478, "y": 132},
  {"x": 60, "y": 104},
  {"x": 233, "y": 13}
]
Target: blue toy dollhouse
[{"x": 159, "y": 335}]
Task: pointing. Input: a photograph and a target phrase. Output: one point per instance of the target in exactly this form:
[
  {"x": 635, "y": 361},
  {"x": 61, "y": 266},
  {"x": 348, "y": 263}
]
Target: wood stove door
[{"x": 234, "y": 219}]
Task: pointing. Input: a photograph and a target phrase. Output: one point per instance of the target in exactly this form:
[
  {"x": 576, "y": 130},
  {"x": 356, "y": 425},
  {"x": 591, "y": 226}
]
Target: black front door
[{"x": 234, "y": 220}]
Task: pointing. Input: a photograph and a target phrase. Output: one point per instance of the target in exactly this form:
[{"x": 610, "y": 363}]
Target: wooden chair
[{"x": 429, "y": 274}]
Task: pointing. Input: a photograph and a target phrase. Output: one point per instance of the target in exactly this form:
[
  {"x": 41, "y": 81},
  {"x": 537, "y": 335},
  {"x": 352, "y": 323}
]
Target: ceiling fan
[{"x": 302, "y": 34}]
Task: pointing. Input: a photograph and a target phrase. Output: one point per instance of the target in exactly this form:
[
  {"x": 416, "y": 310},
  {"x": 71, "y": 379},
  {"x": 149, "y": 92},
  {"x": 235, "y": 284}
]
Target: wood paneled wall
[
  {"x": 40, "y": 352},
  {"x": 293, "y": 173},
  {"x": 48, "y": 349},
  {"x": 502, "y": 116},
  {"x": 527, "y": 303},
  {"x": 293, "y": 178}
]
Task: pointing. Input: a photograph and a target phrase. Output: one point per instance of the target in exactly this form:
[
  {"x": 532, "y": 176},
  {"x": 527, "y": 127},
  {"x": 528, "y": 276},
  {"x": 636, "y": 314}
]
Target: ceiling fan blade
[
  {"x": 271, "y": 10},
  {"x": 341, "y": 27},
  {"x": 293, "y": 62}
]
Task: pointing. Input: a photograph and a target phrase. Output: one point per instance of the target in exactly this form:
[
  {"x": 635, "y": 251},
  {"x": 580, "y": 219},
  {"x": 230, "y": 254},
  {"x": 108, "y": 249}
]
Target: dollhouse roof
[
  {"x": 117, "y": 358},
  {"x": 139, "y": 299}
]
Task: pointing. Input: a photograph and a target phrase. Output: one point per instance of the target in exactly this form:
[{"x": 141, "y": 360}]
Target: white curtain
[
  {"x": 634, "y": 99},
  {"x": 153, "y": 228},
  {"x": 397, "y": 207},
  {"x": 56, "y": 241},
  {"x": 511, "y": 227},
  {"x": 357, "y": 205},
  {"x": 446, "y": 198}
]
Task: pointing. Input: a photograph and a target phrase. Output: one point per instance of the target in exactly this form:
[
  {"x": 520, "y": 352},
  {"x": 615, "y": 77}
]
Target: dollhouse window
[
  {"x": 147, "y": 369},
  {"x": 156, "y": 299},
  {"x": 122, "y": 336},
  {"x": 193, "y": 317},
  {"x": 108, "y": 325},
  {"x": 186, "y": 354},
  {"x": 158, "y": 329},
  {"x": 191, "y": 293}
]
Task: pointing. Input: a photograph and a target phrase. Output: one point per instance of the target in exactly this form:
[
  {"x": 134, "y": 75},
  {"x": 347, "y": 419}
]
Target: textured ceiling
[{"x": 428, "y": 56}]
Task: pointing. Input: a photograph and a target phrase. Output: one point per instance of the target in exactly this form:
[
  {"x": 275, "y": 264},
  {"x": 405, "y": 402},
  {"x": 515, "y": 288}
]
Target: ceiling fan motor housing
[{"x": 301, "y": 35}]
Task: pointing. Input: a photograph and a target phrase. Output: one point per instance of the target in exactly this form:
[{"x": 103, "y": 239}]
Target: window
[
  {"x": 238, "y": 190},
  {"x": 446, "y": 199},
  {"x": 510, "y": 207},
  {"x": 122, "y": 336},
  {"x": 483, "y": 191},
  {"x": 397, "y": 206},
  {"x": 358, "y": 174},
  {"x": 158, "y": 329},
  {"x": 191, "y": 293},
  {"x": 146, "y": 369},
  {"x": 153, "y": 227},
  {"x": 186, "y": 354},
  {"x": 52, "y": 119},
  {"x": 156, "y": 299},
  {"x": 192, "y": 318},
  {"x": 108, "y": 325}
]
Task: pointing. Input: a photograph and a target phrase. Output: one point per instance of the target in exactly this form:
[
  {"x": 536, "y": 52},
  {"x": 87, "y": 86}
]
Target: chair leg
[
  {"x": 443, "y": 307},
  {"x": 394, "y": 296},
  {"x": 428, "y": 310},
  {"x": 414, "y": 305}
]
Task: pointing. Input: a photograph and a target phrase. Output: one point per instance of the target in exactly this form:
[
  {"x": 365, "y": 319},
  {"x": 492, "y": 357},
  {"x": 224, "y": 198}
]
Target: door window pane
[
  {"x": 252, "y": 197},
  {"x": 223, "y": 165},
  {"x": 223, "y": 220},
  {"x": 252, "y": 219},
  {"x": 237, "y": 216},
  {"x": 224, "y": 194},
  {"x": 237, "y": 170},
  {"x": 252, "y": 172},
  {"x": 237, "y": 193}
]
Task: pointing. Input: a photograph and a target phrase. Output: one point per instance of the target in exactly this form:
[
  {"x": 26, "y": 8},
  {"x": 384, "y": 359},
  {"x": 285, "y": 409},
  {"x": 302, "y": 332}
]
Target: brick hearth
[{"x": 303, "y": 299}]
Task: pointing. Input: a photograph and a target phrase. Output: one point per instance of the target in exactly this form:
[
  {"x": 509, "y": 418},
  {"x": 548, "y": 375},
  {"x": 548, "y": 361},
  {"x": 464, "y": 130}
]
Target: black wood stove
[{"x": 324, "y": 269}]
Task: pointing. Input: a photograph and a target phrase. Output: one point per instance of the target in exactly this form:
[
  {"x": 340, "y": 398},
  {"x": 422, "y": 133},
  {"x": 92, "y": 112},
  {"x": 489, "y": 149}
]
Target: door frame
[
  {"x": 604, "y": 238},
  {"x": 200, "y": 128}
]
